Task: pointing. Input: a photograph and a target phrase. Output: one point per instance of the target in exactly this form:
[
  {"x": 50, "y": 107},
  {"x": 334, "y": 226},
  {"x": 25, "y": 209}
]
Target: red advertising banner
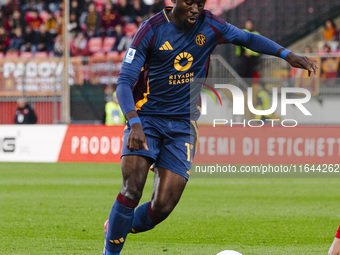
[
  {"x": 267, "y": 145},
  {"x": 90, "y": 143},
  {"x": 219, "y": 145}
]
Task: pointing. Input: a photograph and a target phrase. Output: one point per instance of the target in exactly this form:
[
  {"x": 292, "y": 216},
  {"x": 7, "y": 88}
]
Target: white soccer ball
[{"x": 228, "y": 252}]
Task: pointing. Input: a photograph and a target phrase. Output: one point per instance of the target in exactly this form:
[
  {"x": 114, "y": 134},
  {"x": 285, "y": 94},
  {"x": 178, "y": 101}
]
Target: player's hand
[
  {"x": 335, "y": 248},
  {"x": 136, "y": 139},
  {"x": 302, "y": 62}
]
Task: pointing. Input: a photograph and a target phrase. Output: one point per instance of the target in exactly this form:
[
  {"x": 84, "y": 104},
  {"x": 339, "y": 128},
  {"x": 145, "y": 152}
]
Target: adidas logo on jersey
[{"x": 166, "y": 46}]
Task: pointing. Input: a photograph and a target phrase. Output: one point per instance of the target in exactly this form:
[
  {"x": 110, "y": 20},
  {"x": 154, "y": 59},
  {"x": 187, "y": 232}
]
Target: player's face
[{"x": 186, "y": 12}]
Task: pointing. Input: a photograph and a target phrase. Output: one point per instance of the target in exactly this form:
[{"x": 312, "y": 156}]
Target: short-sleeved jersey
[{"x": 165, "y": 59}]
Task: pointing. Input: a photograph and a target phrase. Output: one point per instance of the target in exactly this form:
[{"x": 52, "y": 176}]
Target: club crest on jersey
[
  {"x": 130, "y": 55},
  {"x": 183, "y": 61},
  {"x": 200, "y": 39}
]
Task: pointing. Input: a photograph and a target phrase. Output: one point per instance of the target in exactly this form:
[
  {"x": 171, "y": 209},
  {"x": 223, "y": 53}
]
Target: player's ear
[{"x": 173, "y": 1}]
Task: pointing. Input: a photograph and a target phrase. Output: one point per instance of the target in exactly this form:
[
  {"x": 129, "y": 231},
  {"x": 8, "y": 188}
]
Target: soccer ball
[{"x": 228, "y": 252}]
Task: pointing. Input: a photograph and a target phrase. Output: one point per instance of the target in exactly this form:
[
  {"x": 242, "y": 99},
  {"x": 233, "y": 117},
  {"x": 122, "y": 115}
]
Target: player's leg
[
  {"x": 176, "y": 153},
  {"x": 167, "y": 191},
  {"x": 135, "y": 170}
]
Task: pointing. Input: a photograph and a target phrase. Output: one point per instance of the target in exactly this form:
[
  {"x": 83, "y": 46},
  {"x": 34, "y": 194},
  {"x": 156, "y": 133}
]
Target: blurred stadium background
[
  {"x": 33, "y": 48},
  {"x": 64, "y": 58}
]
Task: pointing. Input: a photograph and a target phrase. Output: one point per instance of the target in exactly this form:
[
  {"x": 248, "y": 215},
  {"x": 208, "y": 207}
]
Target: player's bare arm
[
  {"x": 335, "y": 248},
  {"x": 136, "y": 139}
]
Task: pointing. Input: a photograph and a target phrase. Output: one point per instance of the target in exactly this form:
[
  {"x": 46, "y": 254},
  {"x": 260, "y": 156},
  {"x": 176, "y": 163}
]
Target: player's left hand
[
  {"x": 302, "y": 62},
  {"x": 335, "y": 248}
]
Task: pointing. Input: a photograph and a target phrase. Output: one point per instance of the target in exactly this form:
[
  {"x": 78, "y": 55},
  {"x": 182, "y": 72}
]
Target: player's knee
[
  {"x": 162, "y": 208},
  {"x": 132, "y": 193}
]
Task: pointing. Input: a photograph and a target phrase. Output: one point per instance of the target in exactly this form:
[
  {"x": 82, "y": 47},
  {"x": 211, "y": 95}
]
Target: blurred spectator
[
  {"x": 51, "y": 25},
  {"x": 74, "y": 26},
  {"x": 86, "y": 5},
  {"x": 248, "y": 59},
  {"x": 53, "y": 5},
  {"x": 17, "y": 41},
  {"x": 91, "y": 20},
  {"x": 157, "y": 7},
  {"x": 327, "y": 48},
  {"x": 122, "y": 41},
  {"x": 3, "y": 21},
  {"x": 59, "y": 46},
  {"x": 4, "y": 40},
  {"x": 79, "y": 47},
  {"x": 30, "y": 40},
  {"x": 24, "y": 113},
  {"x": 141, "y": 10},
  {"x": 263, "y": 101},
  {"x": 44, "y": 40},
  {"x": 34, "y": 20},
  {"x": 75, "y": 8},
  {"x": 109, "y": 20},
  {"x": 126, "y": 10},
  {"x": 9, "y": 7},
  {"x": 308, "y": 50},
  {"x": 113, "y": 113},
  {"x": 41, "y": 6},
  {"x": 330, "y": 32},
  {"x": 16, "y": 21},
  {"x": 59, "y": 25}
]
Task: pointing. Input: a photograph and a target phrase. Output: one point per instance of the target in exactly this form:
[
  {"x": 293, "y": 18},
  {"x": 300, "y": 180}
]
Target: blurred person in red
[
  {"x": 34, "y": 20},
  {"x": 24, "y": 113},
  {"x": 335, "y": 247},
  {"x": 109, "y": 20},
  {"x": 4, "y": 22},
  {"x": 4, "y": 40},
  {"x": 79, "y": 46}
]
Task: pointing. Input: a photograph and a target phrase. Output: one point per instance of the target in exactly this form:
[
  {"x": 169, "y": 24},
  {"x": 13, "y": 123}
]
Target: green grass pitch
[{"x": 60, "y": 209}]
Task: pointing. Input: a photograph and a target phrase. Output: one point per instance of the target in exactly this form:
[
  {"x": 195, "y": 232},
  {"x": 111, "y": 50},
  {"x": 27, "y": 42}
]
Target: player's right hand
[
  {"x": 136, "y": 139},
  {"x": 302, "y": 62}
]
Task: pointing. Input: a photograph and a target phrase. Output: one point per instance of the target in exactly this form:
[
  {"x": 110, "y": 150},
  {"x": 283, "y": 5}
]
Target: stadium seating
[
  {"x": 113, "y": 54},
  {"x": 130, "y": 29},
  {"x": 108, "y": 43},
  {"x": 99, "y": 54},
  {"x": 95, "y": 44},
  {"x": 12, "y": 54},
  {"x": 41, "y": 54},
  {"x": 26, "y": 55}
]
